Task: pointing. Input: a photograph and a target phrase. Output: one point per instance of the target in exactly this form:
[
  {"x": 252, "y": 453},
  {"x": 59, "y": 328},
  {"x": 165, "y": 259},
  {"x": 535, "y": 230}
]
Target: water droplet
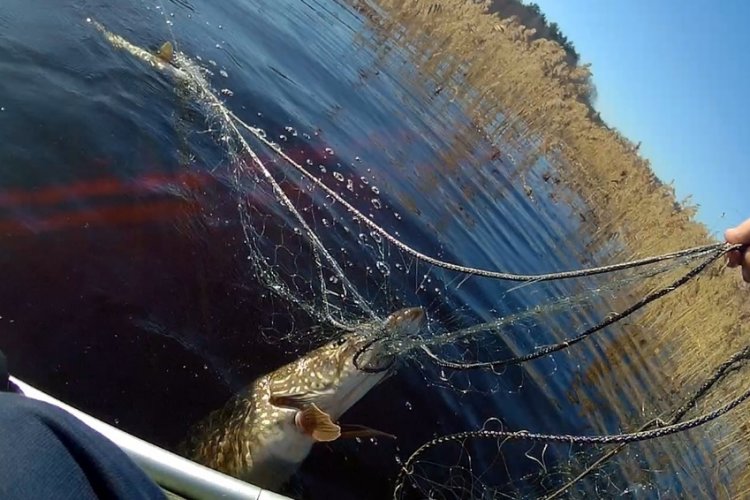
[
  {"x": 408, "y": 405},
  {"x": 362, "y": 237},
  {"x": 329, "y": 151},
  {"x": 309, "y": 162},
  {"x": 338, "y": 176},
  {"x": 325, "y": 222},
  {"x": 383, "y": 268},
  {"x": 224, "y": 73},
  {"x": 297, "y": 230},
  {"x": 323, "y": 169},
  {"x": 357, "y": 158},
  {"x": 397, "y": 215},
  {"x": 376, "y": 236},
  {"x": 364, "y": 180},
  {"x": 376, "y": 203},
  {"x": 350, "y": 185},
  {"x": 375, "y": 190},
  {"x": 282, "y": 137},
  {"x": 227, "y": 92}
]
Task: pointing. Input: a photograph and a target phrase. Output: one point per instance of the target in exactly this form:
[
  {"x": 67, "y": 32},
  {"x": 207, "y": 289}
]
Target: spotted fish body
[{"x": 263, "y": 434}]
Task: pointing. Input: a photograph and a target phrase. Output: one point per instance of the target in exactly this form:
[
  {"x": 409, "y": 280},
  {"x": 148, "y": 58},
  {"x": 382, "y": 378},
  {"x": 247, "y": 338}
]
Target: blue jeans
[{"x": 46, "y": 453}]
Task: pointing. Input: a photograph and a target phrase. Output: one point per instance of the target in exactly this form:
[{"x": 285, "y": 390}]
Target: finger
[
  {"x": 734, "y": 258},
  {"x": 746, "y": 266},
  {"x": 739, "y": 234}
]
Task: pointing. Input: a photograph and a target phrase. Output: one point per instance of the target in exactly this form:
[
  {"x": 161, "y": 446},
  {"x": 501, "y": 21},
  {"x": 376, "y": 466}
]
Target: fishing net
[{"x": 325, "y": 237}]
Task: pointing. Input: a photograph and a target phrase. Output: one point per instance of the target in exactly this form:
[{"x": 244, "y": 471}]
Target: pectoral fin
[
  {"x": 317, "y": 423},
  {"x": 355, "y": 431}
]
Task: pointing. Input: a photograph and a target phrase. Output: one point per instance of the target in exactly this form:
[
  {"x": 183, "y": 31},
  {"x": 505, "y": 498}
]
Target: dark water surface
[{"x": 127, "y": 289}]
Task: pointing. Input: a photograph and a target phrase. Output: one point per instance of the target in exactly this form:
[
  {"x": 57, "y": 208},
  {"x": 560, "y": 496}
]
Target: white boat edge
[{"x": 170, "y": 471}]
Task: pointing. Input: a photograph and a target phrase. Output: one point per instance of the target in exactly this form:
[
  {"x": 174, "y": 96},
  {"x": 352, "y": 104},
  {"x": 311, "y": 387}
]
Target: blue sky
[{"x": 675, "y": 75}]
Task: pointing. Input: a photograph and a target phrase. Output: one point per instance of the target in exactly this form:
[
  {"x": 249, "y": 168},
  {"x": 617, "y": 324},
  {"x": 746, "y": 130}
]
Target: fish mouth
[
  {"x": 376, "y": 355},
  {"x": 373, "y": 357}
]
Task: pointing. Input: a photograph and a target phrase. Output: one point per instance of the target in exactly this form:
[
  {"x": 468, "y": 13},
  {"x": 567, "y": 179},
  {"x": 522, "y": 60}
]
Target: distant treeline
[{"x": 531, "y": 16}]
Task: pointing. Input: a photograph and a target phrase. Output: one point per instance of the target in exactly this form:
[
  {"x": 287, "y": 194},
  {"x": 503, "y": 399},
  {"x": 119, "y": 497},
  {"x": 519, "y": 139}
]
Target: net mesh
[{"x": 321, "y": 237}]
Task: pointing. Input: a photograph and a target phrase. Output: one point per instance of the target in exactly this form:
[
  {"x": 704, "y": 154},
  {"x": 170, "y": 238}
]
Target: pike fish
[
  {"x": 263, "y": 434},
  {"x": 161, "y": 60}
]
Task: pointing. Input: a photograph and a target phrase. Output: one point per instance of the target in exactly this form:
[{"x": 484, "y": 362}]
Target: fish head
[{"x": 335, "y": 376}]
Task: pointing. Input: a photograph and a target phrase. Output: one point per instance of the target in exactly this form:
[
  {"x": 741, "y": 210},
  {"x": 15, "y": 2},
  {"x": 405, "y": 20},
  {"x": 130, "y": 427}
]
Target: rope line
[
  {"x": 730, "y": 365},
  {"x": 450, "y": 266},
  {"x": 612, "y": 318}
]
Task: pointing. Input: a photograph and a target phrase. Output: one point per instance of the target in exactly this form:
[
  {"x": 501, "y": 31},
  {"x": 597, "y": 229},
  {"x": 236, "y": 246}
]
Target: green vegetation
[{"x": 497, "y": 66}]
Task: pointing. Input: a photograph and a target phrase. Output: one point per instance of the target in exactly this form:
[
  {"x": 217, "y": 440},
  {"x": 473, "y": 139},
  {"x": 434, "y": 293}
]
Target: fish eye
[{"x": 340, "y": 341}]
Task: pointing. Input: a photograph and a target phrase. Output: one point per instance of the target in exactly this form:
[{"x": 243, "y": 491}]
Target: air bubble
[
  {"x": 364, "y": 180},
  {"x": 350, "y": 185},
  {"x": 376, "y": 203},
  {"x": 224, "y": 73},
  {"x": 338, "y": 176},
  {"x": 397, "y": 215},
  {"x": 329, "y": 151},
  {"x": 375, "y": 190}
]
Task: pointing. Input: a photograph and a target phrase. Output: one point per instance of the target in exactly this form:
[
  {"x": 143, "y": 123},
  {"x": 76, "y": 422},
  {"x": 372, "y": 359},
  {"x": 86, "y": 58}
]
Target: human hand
[{"x": 739, "y": 234}]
